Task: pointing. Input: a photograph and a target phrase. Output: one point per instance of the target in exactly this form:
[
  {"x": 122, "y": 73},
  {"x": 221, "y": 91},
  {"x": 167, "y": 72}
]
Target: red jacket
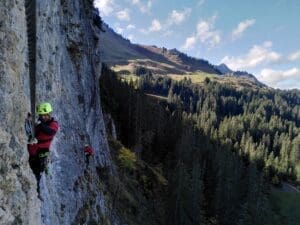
[
  {"x": 44, "y": 133},
  {"x": 88, "y": 150}
]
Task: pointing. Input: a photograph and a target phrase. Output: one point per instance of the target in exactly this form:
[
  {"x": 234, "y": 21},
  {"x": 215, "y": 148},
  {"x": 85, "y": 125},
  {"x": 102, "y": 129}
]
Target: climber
[
  {"x": 88, "y": 151},
  {"x": 45, "y": 131}
]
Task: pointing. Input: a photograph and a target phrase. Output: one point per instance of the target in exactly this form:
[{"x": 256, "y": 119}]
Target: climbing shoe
[{"x": 47, "y": 170}]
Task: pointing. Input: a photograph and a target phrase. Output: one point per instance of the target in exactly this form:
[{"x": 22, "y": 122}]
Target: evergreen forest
[{"x": 222, "y": 149}]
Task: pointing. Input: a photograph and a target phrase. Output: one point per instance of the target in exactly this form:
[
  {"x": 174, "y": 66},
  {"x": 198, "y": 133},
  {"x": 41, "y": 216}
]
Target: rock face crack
[{"x": 30, "y": 10}]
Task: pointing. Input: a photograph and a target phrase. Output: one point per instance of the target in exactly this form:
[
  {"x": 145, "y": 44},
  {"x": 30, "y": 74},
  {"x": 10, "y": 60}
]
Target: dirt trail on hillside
[{"x": 286, "y": 187}]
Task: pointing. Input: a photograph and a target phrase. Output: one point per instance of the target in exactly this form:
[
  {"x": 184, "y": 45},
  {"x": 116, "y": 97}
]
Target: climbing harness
[
  {"x": 30, "y": 10},
  {"x": 43, "y": 154}
]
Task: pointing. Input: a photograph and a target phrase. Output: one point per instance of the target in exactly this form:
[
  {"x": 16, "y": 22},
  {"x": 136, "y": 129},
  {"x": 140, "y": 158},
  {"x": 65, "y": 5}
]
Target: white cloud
[
  {"x": 131, "y": 37},
  {"x": 242, "y": 26},
  {"x": 277, "y": 78},
  {"x": 205, "y": 33},
  {"x": 106, "y": 7},
  {"x": 177, "y": 17},
  {"x": 189, "y": 43},
  {"x": 143, "y": 7},
  {"x": 294, "y": 56},
  {"x": 174, "y": 18},
  {"x": 130, "y": 27},
  {"x": 155, "y": 26},
  {"x": 119, "y": 30},
  {"x": 257, "y": 55},
  {"x": 123, "y": 15}
]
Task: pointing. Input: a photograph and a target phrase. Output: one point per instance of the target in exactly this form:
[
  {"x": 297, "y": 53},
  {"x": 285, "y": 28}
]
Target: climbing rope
[{"x": 30, "y": 10}]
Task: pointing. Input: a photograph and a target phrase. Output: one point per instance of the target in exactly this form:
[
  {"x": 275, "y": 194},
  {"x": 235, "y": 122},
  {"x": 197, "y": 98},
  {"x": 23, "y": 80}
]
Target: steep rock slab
[{"x": 68, "y": 73}]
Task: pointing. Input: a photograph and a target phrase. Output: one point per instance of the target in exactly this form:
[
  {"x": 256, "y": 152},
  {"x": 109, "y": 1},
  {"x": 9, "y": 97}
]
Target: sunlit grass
[
  {"x": 195, "y": 78},
  {"x": 118, "y": 68},
  {"x": 126, "y": 72},
  {"x": 128, "y": 78}
]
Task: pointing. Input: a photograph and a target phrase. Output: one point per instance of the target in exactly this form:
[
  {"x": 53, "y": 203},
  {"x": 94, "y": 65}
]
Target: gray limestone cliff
[
  {"x": 18, "y": 198},
  {"x": 68, "y": 71}
]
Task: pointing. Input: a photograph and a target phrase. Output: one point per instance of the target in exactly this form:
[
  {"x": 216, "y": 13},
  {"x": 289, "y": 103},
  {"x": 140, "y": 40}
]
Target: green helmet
[{"x": 44, "y": 108}]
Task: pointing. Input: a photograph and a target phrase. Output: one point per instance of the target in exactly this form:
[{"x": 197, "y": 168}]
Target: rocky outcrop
[{"x": 68, "y": 70}]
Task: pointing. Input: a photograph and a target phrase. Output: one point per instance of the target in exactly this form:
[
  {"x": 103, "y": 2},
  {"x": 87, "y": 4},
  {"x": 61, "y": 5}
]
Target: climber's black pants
[
  {"x": 87, "y": 160},
  {"x": 39, "y": 164}
]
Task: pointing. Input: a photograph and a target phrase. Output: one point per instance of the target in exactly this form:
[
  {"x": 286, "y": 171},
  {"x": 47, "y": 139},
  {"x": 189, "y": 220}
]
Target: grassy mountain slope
[
  {"x": 118, "y": 51},
  {"x": 115, "y": 49}
]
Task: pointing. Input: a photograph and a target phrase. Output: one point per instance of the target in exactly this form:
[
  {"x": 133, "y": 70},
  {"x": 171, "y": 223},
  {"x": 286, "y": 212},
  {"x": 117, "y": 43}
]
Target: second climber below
[
  {"x": 45, "y": 131},
  {"x": 88, "y": 151}
]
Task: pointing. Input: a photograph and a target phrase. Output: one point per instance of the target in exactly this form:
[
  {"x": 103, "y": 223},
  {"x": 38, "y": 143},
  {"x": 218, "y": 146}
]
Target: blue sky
[{"x": 260, "y": 37}]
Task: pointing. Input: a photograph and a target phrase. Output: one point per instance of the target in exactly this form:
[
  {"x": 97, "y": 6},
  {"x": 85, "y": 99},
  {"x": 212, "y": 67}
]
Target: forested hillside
[
  {"x": 220, "y": 148},
  {"x": 261, "y": 126}
]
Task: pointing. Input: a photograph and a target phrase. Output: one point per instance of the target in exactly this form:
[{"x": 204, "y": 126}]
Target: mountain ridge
[
  {"x": 125, "y": 57},
  {"x": 124, "y": 51}
]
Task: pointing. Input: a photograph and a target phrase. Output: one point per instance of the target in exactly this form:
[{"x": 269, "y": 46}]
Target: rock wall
[
  {"x": 68, "y": 71},
  {"x": 18, "y": 198},
  {"x": 67, "y": 76}
]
